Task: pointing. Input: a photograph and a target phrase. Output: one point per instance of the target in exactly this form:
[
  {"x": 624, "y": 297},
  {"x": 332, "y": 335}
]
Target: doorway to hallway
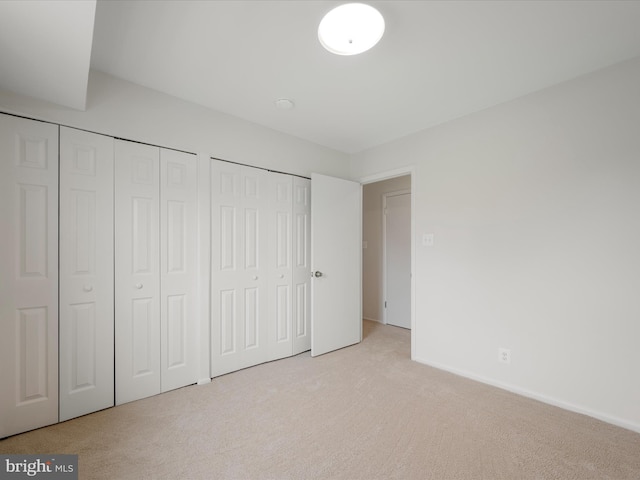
[{"x": 387, "y": 250}]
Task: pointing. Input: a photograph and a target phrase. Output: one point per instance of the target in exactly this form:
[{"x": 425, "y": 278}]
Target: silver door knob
[
  {"x": 138, "y": 286},
  {"x": 317, "y": 274}
]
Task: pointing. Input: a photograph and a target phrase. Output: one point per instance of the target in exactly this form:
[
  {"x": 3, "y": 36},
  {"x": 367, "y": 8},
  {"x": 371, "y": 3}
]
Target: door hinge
[{"x": 385, "y": 304}]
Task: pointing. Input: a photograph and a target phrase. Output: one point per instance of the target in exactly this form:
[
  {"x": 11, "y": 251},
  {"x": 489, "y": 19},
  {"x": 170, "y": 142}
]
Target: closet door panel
[
  {"x": 178, "y": 236},
  {"x": 86, "y": 273},
  {"x": 226, "y": 274},
  {"x": 280, "y": 266},
  {"x": 137, "y": 271},
  {"x": 29, "y": 262},
  {"x": 301, "y": 265},
  {"x": 239, "y": 270},
  {"x": 254, "y": 202}
]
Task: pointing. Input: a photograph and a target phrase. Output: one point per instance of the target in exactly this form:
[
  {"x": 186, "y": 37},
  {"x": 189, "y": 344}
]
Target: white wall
[
  {"x": 372, "y": 226},
  {"x": 123, "y": 109},
  {"x": 535, "y": 206}
]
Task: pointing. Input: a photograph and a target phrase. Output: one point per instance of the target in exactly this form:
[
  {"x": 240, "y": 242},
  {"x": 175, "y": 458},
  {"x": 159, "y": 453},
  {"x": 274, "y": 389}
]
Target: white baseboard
[
  {"x": 536, "y": 396},
  {"x": 371, "y": 319},
  {"x": 204, "y": 381}
]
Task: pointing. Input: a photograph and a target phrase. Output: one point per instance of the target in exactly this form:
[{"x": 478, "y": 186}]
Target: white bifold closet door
[
  {"x": 260, "y": 278},
  {"x": 289, "y": 326},
  {"x": 155, "y": 270},
  {"x": 178, "y": 269},
  {"x": 280, "y": 258},
  {"x": 239, "y": 205},
  {"x": 29, "y": 269},
  {"x": 86, "y": 272},
  {"x": 137, "y": 271},
  {"x": 301, "y": 301}
]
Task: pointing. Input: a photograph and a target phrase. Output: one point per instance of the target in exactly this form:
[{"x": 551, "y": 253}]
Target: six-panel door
[
  {"x": 86, "y": 272},
  {"x": 280, "y": 281},
  {"x": 178, "y": 289},
  {"x": 29, "y": 266},
  {"x": 238, "y": 267},
  {"x": 301, "y": 301},
  {"x": 137, "y": 271}
]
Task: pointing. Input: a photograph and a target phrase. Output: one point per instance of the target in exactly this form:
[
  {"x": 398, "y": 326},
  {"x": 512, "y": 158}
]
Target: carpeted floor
[{"x": 364, "y": 412}]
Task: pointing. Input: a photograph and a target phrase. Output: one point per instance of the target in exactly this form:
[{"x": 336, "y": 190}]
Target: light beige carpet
[{"x": 364, "y": 412}]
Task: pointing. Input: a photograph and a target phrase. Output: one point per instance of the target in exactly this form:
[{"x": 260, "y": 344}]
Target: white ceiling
[
  {"x": 45, "y": 49},
  {"x": 437, "y": 60}
]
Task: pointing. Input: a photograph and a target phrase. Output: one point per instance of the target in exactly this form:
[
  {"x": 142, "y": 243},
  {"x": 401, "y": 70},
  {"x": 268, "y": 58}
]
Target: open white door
[{"x": 336, "y": 262}]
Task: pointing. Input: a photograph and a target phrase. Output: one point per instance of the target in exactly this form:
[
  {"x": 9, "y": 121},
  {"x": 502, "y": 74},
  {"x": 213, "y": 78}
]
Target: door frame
[
  {"x": 385, "y": 175},
  {"x": 386, "y": 195}
]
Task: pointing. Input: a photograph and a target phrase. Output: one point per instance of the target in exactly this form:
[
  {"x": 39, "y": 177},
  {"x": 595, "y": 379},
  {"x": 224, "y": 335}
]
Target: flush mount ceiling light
[{"x": 351, "y": 28}]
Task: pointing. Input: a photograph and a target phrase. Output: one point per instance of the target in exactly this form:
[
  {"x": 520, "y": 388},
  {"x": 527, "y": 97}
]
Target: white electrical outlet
[{"x": 504, "y": 355}]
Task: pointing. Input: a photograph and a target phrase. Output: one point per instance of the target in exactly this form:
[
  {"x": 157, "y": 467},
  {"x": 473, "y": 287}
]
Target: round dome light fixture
[{"x": 351, "y": 28}]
